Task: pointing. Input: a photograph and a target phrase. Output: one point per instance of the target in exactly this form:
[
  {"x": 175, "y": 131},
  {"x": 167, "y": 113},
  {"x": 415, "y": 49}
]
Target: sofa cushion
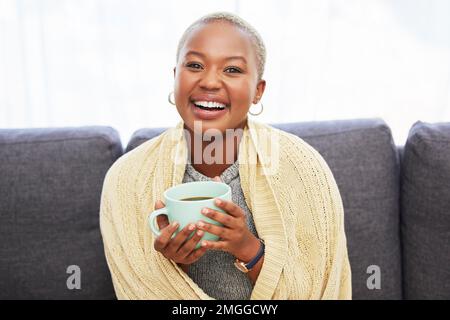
[
  {"x": 425, "y": 216},
  {"x": 49, "y": 211},
  {"x": 365, "y": 164}
]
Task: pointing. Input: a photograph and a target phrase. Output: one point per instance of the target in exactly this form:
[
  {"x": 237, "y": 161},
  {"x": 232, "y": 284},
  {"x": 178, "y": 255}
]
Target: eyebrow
[{"x": 227, "y": 58}]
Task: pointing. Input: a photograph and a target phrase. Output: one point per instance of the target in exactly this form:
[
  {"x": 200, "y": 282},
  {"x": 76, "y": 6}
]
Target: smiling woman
[
  {"x": 282, "y": 235},
  {"x": 222, "y": 62}
]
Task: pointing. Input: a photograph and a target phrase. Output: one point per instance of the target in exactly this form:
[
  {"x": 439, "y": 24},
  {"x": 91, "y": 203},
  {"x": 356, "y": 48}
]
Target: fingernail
[
  {"x": 175, "y": 224},
  {"x": 200, "y": 224},
  {"x": 218, "y": 202},
  {"x": 191, "y": 227},
  {"x": 205, "y": 210},
  {"x": 204, "y": 243},
  {"x": 199, "y": 233}
]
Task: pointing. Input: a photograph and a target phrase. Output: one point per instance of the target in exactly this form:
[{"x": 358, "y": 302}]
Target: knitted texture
[
  {"x": 215, "y": 272},
  {"x": 296, "y": 207}
]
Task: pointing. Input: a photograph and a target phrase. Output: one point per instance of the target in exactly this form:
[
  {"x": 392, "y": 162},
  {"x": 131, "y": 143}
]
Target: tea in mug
[{"x": 196, "y": 198}]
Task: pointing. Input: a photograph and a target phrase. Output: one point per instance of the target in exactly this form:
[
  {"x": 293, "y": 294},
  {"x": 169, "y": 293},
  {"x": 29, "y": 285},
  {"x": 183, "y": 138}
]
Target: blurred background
[{"x": 110, "y": 62}]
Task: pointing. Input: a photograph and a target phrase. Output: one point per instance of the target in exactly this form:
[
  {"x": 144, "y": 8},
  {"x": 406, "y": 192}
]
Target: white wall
[{"x": 109, "y": 62}]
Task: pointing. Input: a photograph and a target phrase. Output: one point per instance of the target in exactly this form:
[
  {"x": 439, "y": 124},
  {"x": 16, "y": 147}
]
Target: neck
[{"x": 211, "y": 155}]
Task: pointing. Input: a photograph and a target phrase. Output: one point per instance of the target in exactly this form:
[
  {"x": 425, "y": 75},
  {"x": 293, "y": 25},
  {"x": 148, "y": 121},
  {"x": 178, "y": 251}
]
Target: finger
[
  {"x": 196, "y": 254},
  {"x": 215, "y": 245},
  {"x": 221, "y": 232},
  {"x": 179, "y": 239},
  {"x": 187, "y": 248},
  {"x": 159, "y": 204},
  {"x": 217, "y": 179},
  {"x": 225, "y": 219},
  {"x": 230, "y": 207},
  {"x": 163, "y": 239},
  {"x": 162, "y": 221}
]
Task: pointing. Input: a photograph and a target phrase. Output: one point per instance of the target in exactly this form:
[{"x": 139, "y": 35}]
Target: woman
[{"x": 286, "y": 217}]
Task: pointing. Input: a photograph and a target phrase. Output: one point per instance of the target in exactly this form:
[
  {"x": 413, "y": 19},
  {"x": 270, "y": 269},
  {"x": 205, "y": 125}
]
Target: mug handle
[{"x": 152, "y": 218}]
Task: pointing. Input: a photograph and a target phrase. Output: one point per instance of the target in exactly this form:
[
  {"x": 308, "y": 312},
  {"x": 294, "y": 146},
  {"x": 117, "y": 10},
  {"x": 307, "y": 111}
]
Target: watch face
[{"x": 241, "y": 266}]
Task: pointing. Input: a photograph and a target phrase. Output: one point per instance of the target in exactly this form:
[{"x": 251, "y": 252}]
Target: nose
[{"x": 210, "y": 80}]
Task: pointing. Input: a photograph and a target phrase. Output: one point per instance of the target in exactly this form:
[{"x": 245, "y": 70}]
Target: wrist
[
  {"x": 184, "y": 267},
  {"x": 249, "y": 264},
  {"x": 249, "y": 251}
]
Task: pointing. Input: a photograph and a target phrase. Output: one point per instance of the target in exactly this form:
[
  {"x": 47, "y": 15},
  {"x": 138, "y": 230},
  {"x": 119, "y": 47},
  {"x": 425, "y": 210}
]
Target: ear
[{"x": 260, "y": 87}]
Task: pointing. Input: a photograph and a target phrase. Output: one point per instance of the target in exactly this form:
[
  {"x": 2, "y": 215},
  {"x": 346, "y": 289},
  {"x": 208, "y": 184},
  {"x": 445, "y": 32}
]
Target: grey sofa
[{"x": 396, "y": 201}]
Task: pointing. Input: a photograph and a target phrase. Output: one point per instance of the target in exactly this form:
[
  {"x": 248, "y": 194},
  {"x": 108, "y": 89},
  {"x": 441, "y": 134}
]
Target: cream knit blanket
[{"x": 289, "y": 189}]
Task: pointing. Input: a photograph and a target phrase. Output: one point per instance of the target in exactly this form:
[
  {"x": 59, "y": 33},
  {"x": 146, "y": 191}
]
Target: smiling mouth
[{"x": 209, "y": 105}]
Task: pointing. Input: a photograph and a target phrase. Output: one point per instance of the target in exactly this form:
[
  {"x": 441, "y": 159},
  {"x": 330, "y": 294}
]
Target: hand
[
  {"x": 235, "y": 237},
  {"x": 178, "y": 249}
]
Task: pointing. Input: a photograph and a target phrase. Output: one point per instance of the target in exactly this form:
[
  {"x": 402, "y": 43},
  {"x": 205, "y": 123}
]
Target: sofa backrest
[
  {"x": 425, "y": 216},
  {"x": 365, "y": 164},
  {"x": 51, "y": 182},
  {"x": 50, "y": 187}
]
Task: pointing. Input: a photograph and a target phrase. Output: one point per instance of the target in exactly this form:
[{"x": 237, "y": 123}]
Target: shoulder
[
  {"x": 304, "y": 167},
  {"x": 309, "y": 163},
  {"x": 131, "y": 163},
  {"x": 293, "y": 151},
  {"x": 286, "y": 139}
]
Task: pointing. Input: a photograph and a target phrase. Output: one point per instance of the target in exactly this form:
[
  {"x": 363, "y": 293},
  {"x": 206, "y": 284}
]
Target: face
[{"x": 216, "y": 78}]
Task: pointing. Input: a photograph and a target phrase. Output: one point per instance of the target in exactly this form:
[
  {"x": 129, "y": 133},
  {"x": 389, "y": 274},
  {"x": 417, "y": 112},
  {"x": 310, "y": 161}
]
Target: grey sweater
[{"x": 215, "y": 272}]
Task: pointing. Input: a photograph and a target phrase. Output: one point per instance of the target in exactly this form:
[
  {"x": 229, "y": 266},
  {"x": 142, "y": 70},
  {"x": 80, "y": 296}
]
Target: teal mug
[{"x": 184, "y": 203}]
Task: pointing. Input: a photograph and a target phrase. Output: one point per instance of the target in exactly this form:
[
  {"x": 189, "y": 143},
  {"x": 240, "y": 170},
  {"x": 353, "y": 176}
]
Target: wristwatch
[{"x": 246, "y": 267}]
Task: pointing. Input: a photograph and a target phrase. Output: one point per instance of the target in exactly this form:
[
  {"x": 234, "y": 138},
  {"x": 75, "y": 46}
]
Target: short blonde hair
[{"x": 258, "y": 44}]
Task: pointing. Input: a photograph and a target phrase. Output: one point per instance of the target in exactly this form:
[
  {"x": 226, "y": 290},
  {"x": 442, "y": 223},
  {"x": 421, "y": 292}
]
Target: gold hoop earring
[
  {"x": 257, "y": 114},
  {"x": 168, "y": 98}
]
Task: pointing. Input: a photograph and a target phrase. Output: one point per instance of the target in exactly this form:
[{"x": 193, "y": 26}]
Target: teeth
[{"x": 210, "y": 104}]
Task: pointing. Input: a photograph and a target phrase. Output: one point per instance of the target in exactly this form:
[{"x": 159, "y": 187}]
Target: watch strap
[{"x": 249, "y": 265}]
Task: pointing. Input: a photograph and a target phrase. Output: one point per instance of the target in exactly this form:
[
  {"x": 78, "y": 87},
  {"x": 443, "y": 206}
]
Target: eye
[
  {"x": 194, "y": 65},
  {"x": 233, "y": 70}
]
